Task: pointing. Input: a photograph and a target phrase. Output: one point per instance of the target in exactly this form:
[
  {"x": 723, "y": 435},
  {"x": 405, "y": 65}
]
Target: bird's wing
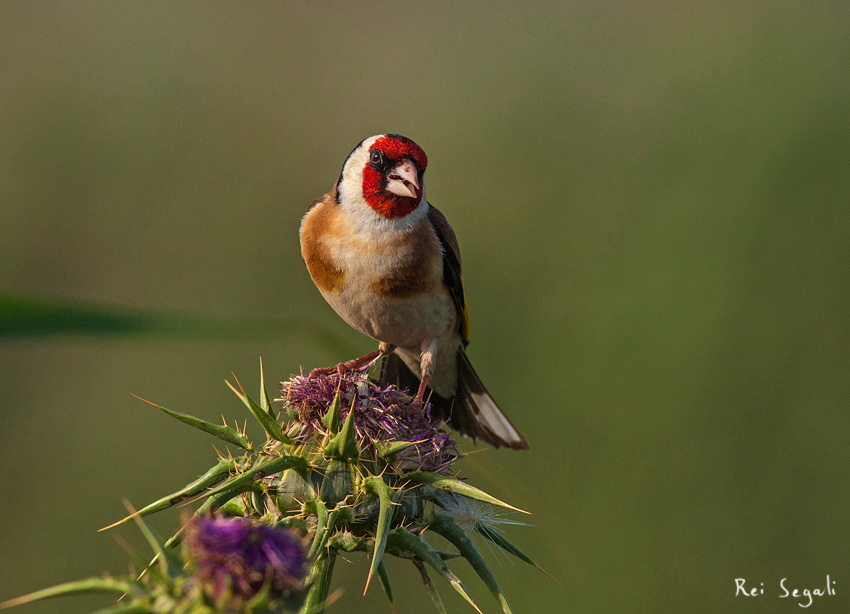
[{"x": 452, "y": 276}]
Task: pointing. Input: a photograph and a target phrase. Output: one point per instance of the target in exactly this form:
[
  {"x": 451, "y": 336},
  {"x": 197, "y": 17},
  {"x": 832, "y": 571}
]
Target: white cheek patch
[
  {"x": 351, "y": 182},
  {"x": 362, "y": 219}
]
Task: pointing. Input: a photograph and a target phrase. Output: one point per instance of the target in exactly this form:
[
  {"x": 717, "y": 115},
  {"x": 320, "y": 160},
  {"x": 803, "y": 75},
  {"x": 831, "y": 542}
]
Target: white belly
[
  {"x": 406, "y": 322},
  {"x": 412, "y": 324}
]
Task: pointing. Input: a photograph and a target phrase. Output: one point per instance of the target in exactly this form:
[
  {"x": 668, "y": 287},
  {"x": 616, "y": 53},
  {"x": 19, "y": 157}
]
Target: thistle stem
[{"x": 322, "y": 571}]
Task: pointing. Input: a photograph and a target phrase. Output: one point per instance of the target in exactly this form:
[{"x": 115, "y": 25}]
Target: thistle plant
[
  {"x": 348, "y": 465},
  {"x": 227, "y": 566}
]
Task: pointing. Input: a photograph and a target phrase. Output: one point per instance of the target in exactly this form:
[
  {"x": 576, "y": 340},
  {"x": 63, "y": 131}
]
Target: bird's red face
[{"x": 392, "y": 176}]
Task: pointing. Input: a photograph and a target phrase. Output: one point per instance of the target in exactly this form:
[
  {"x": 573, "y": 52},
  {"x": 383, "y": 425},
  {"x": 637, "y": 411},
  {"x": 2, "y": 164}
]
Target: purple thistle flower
[
  {"x": 239, "y": 556},
  {"x": 382, "y": 414}
]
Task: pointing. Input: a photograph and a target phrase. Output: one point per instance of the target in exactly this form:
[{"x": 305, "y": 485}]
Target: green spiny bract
[{"x": 350, "y": 465}]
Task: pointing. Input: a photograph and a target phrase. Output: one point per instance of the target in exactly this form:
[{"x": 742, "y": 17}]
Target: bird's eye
[{"x": 376, "y": 157}]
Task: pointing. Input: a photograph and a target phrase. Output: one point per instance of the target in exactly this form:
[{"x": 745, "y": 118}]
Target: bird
[{"x": 388, "y": 262}]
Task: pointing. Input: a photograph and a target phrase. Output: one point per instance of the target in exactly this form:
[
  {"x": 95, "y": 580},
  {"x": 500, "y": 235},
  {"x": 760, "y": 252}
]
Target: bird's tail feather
[{"x": 472, "y": 411}]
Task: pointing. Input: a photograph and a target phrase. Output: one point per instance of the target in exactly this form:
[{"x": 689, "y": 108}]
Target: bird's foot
[
  {"x": 343, "y": 367},
  {"x": 418, "y": 400},
  {"x": 354, "y": 363},
  {"x": 325, "y": 371}
]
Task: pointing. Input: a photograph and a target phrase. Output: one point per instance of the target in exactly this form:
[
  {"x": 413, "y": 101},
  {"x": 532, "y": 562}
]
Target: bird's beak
[{"x": 404, "y": 180}]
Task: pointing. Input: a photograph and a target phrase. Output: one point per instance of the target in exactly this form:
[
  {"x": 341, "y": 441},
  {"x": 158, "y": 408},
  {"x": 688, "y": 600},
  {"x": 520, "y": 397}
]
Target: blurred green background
[{"x": 652, "y": 202}]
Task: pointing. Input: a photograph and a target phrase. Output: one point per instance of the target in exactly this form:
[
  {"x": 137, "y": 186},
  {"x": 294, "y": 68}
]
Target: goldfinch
[{"x": 388, "y": 263}]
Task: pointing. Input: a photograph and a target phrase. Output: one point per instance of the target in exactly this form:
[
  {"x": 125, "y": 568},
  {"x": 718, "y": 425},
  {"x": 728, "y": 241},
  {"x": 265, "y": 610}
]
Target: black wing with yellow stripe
[{"x": 452, "y": 276}]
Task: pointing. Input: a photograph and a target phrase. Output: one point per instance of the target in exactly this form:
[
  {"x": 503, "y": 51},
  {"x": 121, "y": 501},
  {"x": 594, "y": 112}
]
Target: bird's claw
[
  {"x": 325, "y": 371},
  {"x": 354, "y": 363}
]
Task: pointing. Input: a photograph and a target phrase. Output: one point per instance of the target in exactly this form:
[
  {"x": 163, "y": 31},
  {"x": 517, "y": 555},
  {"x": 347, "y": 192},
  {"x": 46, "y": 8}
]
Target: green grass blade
[
  {"x": 170, "y": 544},
  {"x": 430, "y": 587},
  {"x": 169, "y": 564},
  {"x": 320, "y": 581},
  {"x": 227, "y": 500},
  {"x": 212, "y": 477},
  {"x": 225, "y": 433},
  {"x": 343, "y": 446},
  {"x": 384, "y": 577},
  {"x": 317, "y": 506},
  {"x": 449, "y": 484},
  {"x": 77, "y": 587},
  {"x": 29, "y": 317},
  {"x": 22, "y": 316},
  {"x": 265, "y": 403},
  {"x": 273, "y": 465},
  {"x": 405, "y": 541},
  {"x": 323, "y": 540},
  {"x": 376, "y": 485},
  {"x": 445, "y": 526},
  {"x": 389, "y": 449},
  {"x": 501, "y": 541},
  {"x": 269, "y": 424},
  {"x": 332, "y": 418}
]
